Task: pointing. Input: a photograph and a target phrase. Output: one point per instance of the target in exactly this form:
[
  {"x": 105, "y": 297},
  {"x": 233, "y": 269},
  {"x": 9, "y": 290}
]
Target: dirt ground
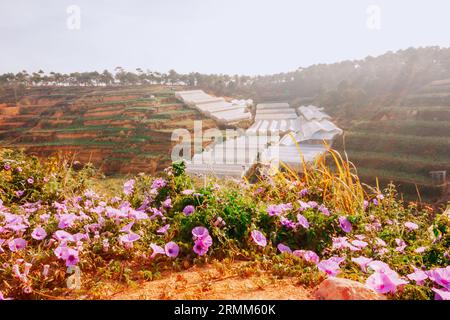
[{"x": 209, "y": 283}]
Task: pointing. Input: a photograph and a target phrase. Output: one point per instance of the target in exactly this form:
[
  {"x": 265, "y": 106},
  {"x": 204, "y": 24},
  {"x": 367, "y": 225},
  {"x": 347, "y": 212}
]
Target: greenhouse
[
  {"x": 280, "y": 134},
  {"x": 215, "y": 107}
]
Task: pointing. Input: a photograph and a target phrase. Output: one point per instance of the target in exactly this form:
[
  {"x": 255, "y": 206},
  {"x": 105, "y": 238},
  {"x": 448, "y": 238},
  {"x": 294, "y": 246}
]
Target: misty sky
[{"x": 209, "y": 36}]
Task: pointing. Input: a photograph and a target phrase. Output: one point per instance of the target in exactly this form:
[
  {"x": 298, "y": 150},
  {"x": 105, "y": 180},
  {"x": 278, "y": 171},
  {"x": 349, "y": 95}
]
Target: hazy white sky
[{"x": 210, "y": 36}]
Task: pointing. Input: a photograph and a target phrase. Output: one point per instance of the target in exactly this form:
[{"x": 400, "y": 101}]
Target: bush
[{"x": 307, "y": 225}]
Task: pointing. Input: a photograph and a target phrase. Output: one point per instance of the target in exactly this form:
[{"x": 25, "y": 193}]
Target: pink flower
[
  {"x": 283, "y": 248},
  {"x": 362, "y": 262},
  {"x": 129, "y": 238},
  {"x": 324, "y": 210},
  {"x": 307, "y": 255},
  {"x": 66, "y": 220},
  {"x": 188, "y": 210},
  {"x": 62, "y": 235},
  {"x": 377, "y": 265},
  {"x": 158, "y": 183},
  {"x": 303, "y": 205},
  {"x": 70, "y": 256},
  {"x": 39, "y": 233},
  {"x": 365, "y": 204},
  {"x": 340, "y": 243},
  {"x": 418, "y": 276},
  {"x": 420, "y": 249},
  {"x": 127, "y": 228},
  {"x": 380, "y": 242},
  {"x": 302, "y": 221},
  {"x": 17, "y": 244},
  {"x": 273, "y": 210},
  {"x": 30, "y": 180},
  {"x": 128, "y": 187},
  {"x": 200, "y": 247},
  {"x": 345, "y": 225},
  {"x": 312, "y": 204},
  {"x": 384, "y": 281},
  {"x": 359, "y": 243},
  {"x": 202, "y": 240},
  {"x": 401, "y": 245},
  {"x": 330, "y": 267},
  {"x": 259, "y": 238},
  {"x": 187, "y": 192},
  {"x": 156, "y": 250},
  {"x": 440, "y": 276},
  {"x": 163, "y": 230},
  {"x": 167, "y": 203},
  {"x": 411, "y": 226},
  {"x": 441, "y": 294},
  {"x": 171, "y": 249},
  {"x": 199, "y": 233}
]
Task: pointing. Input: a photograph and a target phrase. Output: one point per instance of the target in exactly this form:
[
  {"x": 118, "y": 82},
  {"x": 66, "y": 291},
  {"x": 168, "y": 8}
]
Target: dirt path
[{"x": 211, "y": 283}]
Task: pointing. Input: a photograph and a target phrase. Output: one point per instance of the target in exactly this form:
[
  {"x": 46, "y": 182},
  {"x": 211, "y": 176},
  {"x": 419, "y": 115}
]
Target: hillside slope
[
  {"x": 122, "y": 129},
  {"x": 404, "y": 142}
]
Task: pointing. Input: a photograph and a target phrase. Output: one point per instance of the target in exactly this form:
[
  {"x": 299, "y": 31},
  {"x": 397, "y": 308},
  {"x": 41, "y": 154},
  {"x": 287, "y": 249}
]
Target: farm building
[
  {"x": 217, "y": 108},
  {"x": 279, "y": 134}
]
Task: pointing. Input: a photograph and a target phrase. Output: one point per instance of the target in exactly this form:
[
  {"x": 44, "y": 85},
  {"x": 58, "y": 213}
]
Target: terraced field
[
  {"x": 123, "y": 130},
  {"x": 403, "y": 143}
]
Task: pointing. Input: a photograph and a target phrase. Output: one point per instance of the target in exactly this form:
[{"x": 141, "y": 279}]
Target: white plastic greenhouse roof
[
  {"x": 216, "y": 107},
  {"x": 312, "y": 113},
  {"x": 302, "y": 133}
]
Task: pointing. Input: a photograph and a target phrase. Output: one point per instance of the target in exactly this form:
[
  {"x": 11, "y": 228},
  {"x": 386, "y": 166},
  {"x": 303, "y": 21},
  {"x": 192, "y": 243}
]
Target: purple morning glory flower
[
  {"x": 171, "y": 249},
  {"x": 19, "y": 193},
  {"x": 329, "y": 266},
  {"x": 362, "y": 262},
  {"x": 39, "y": 233},
  {"x": 302, "y": 221},
  {"x": 66, "y": 220},
  {"x": 384, "y": 281},
  {"x": 259, "y": 238},
  {"x": 273, "y": 210},
  {"x": 283, "y": 248},
  {"x": 359, "y": 243},
  {"x": 156, "y": 250},
  {"x": 7, "y": 167},
  {"x": 307, "y": 255},
  {"x": 200, "y": 247},
  {"x": 128, "y": 187},
  {"x": 127, "y": 228},
  {"x": 129, "y": 237},
  {"x": 199, "y": 233},
  {"x": 30, "y": 180},
  {"x": 70, "y": 256},
  {"x": 411, "y": 226},
  {"x": 62, "y": 235},
  {"x": 159, "y": 183},
  {"x": 163, "y": 230},
  {"x": 441, "y": 294},
  {"x": 17, "y": 244},
  {"x": 418, "y": 276},
  {"x": 167, "y": 203},
  {"x": 324, "y": 210},
  {"x": 188, "y": 210},
  {"x": 345, "y": 224},
  {"x": 440, "y": 276}
]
